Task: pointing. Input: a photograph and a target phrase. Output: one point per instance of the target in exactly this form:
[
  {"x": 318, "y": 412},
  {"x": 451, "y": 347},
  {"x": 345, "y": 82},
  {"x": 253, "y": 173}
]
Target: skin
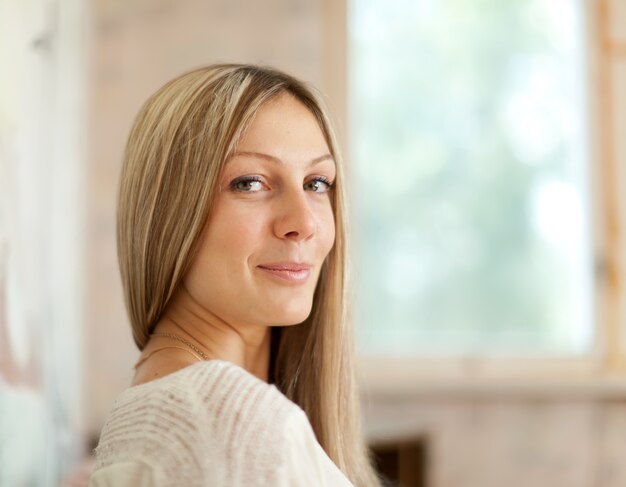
[{"x": 226, "y": 305}]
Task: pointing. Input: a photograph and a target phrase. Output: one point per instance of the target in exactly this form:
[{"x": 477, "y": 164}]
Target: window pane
[{"x": 470, "y": 173}]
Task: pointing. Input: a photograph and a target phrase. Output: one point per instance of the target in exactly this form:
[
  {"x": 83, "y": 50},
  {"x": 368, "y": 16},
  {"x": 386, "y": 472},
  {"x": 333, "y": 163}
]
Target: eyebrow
[{"x": 270, "y": 158}]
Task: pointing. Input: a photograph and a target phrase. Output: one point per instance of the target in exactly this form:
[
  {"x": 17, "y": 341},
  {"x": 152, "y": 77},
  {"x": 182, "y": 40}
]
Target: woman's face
[{"x": 272, "y": 224}]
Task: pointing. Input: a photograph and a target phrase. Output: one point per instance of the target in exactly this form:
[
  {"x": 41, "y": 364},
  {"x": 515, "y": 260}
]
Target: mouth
[{"x": 292, "y": 272}]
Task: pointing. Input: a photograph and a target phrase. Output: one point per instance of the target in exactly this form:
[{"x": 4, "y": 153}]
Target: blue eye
[
  {"x": 320, "y": 184},
  {"x": 253, "y": 184},
  {"x": 248, "y": 184}
]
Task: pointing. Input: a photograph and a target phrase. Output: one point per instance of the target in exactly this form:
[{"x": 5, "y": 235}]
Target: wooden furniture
[
  {"x": 403, "y": 462},
  {"x": 399, "y": 446}
]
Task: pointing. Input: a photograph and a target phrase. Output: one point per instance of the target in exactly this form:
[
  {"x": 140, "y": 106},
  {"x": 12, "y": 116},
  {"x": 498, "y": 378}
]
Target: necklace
[{"x": 182, "y": 340}]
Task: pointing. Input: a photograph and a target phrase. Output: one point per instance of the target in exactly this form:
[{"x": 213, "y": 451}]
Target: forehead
[{"x": 286, "y": 128}]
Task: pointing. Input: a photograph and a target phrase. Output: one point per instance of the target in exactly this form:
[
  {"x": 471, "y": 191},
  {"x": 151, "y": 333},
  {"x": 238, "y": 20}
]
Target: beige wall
[
  {"x": 618, "y": 15},
  {"x": 137, "y": 46},
  {"x": 525, "y": 438}
]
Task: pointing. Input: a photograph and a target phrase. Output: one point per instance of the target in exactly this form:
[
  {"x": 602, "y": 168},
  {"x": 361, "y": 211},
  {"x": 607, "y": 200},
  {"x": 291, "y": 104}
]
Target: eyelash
[{"x": 252, "y": 179}]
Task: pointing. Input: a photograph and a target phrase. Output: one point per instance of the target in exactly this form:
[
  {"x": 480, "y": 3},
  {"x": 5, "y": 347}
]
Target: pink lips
[{"x": 295, "y": 272}]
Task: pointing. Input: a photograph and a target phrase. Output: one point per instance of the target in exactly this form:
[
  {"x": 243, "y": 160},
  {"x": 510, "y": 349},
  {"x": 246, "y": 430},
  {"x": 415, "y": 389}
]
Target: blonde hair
[{"x": 177, "y": 147}]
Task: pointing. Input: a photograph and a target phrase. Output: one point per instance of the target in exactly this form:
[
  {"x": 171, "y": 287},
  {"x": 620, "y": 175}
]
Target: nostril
[{"x": 297, "y": 219}]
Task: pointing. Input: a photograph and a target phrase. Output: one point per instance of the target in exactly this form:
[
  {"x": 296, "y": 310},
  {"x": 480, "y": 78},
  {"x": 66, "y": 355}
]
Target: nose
[{"x": 295, "y": 218}]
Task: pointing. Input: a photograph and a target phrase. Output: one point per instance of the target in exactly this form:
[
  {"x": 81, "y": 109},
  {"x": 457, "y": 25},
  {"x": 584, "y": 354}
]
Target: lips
[
  {"x": 292, "y": 272},
  {"x": 287, "y": 266}
]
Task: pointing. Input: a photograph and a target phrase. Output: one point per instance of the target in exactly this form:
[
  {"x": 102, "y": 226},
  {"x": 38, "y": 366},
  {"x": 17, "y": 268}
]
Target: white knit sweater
[{"x": 210, "y": 424}]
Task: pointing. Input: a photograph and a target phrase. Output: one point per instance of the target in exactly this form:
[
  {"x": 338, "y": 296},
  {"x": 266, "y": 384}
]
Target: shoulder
[
  {"x": 210, "y": 417},
  {"x": 306, "y": 463},
  {"x": 156, "y": 364}
]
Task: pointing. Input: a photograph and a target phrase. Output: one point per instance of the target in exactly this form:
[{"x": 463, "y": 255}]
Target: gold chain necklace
[{"x": 182, "y": 340}]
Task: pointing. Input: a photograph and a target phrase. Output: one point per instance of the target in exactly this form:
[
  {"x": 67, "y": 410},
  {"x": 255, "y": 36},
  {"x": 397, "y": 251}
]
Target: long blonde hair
[{"x": 176, "y": 150}]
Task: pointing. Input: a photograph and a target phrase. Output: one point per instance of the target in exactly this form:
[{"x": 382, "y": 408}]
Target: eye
[
  {"x": 247, "y": 184},
  {"x": 319, "y": 184}
]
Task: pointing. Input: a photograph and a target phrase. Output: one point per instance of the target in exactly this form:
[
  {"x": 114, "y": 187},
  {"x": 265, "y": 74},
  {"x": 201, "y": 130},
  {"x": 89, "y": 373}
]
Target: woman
[{"x": 232, "y": 249}]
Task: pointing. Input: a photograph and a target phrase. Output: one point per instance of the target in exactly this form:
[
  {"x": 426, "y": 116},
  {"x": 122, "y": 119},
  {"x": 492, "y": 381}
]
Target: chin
[
  {"x": 294, "y": 320},
  {"x": 293, "y": 317}
]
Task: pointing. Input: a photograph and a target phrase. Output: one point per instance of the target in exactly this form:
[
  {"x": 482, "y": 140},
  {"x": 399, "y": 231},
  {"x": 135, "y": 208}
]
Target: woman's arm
[{"x": 126, "y": 474}]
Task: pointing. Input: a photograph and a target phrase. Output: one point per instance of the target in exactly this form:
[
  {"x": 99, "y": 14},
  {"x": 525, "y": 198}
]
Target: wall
[{"x": 494, "y": 436}]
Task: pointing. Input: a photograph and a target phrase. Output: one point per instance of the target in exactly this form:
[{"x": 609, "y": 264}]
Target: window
[{"x": 471, "y": 178}]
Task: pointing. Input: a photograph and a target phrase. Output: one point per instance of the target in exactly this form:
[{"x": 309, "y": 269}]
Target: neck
[{"x": 245, "y": 345}]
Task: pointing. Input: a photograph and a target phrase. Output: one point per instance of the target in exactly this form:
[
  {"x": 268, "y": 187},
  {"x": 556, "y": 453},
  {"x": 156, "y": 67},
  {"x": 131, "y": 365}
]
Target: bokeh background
[{"x": 487, "y": 167}]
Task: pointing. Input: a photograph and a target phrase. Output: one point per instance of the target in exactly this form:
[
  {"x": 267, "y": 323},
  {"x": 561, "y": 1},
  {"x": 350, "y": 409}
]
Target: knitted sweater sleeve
[
  {"x": 213, "y": 424},
  {"x": 124, "y": 474},
  {"x": 306, "y": 462}
]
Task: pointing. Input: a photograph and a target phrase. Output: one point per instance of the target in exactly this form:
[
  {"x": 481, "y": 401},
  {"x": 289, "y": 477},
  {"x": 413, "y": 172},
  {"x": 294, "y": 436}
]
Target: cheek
[
  {"x": 233, "y": 235},
  {"x": 229, "y": 240},
  {"x": 327, "y": 231}
]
